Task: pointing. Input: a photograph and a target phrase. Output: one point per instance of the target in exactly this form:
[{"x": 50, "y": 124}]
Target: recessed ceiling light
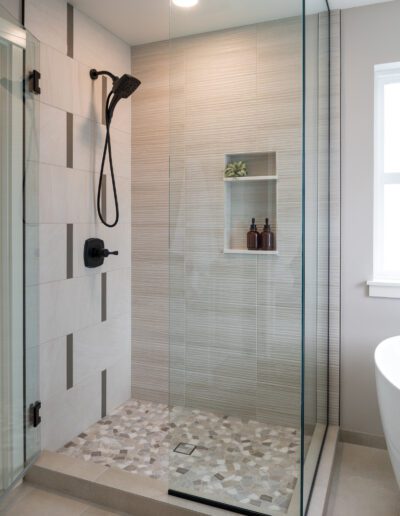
[{"x": 185, "y": 3}]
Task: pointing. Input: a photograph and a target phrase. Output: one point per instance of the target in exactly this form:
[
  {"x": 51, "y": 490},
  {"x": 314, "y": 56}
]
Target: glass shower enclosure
[
  {"x": 19, "y": 435},
  {"x": 249, "y": 328}
]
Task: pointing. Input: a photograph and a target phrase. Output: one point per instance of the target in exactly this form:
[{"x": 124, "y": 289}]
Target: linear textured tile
[
  {"x": 70, "y": 361},
  {"x": 335, "y": 203},
  {"x": 250, "y": 306}
]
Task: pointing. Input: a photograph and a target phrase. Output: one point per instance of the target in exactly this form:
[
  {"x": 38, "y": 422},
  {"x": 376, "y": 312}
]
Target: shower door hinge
[
  {"x": 34, "y": 411},
  {"x": 34, "y": 79}
]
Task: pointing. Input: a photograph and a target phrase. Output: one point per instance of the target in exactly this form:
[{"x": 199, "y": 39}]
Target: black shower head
[
  {"x": 122, "y": 89},
  {"x": 125, "y": 86}
]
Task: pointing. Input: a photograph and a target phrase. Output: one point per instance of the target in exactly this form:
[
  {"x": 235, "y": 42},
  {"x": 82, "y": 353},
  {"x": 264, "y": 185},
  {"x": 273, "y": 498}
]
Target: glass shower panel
[
  {"x": 14, "y": 333},
  {"x": 236, "y": 315},
  {"x": 11, "y": 248},
  {"x": 316, "y": 238},
  {"x": 31, "y": 237}
]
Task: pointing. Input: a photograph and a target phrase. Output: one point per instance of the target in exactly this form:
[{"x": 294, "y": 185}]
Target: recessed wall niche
[{"x": 252, "y": 196}]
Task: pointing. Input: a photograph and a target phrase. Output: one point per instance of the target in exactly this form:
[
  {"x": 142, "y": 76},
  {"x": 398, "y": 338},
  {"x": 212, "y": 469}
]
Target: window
[{"x": 387, "y": 178}]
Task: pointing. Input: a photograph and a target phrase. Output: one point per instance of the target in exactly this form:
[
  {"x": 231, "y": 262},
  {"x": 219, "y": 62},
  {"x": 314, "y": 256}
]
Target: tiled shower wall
[
  {"x": 85, "y": 347},
  {"x": 236, "y": 320}
]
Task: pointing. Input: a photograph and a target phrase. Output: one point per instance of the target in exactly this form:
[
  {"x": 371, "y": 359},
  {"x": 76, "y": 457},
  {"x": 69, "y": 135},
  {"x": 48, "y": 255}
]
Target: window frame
[{"x": 383, "y": 75}]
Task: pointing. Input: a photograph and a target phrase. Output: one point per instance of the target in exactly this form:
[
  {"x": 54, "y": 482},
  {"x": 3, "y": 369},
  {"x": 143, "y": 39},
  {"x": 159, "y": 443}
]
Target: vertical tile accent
[
  {"x": 70, "y": 30},
  {"x": 103, "y": 99},
  {"x": 104, "y": 196},
  {"x": 70, "y": 361},
  {"x": 70, "y": 251},
  {"x": 104, "y": 393},
  {"x": 103, "y": 296},
  {"x": 70, "y": 140}
]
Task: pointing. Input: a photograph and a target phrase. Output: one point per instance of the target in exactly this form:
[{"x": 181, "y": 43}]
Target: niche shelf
[{"x": 254, "y": 195}]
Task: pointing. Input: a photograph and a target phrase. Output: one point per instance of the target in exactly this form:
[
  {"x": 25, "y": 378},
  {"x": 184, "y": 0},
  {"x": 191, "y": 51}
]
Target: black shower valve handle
[
  {"x": 106, "y": 253},
  {"x": 95, "y": 252}
]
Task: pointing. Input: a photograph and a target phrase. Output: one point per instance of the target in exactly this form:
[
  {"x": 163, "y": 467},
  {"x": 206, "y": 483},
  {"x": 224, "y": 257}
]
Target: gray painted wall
[
  {"x": 13, "y": 7},
  {"x": 370, "y": 35}
]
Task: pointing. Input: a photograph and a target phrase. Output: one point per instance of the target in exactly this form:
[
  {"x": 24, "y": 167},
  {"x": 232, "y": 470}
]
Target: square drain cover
[{"x": 185, "y": 448}]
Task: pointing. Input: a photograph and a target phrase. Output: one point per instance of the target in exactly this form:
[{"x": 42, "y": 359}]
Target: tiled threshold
[
  {"x": 118, "y": 490},
  {"x": 135, "y": 494}
]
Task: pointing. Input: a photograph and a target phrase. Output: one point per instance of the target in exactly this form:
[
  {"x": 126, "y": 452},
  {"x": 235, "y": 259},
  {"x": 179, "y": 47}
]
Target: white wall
[
  {"x": 67, "y": 192},
  {"x": 370, "y": 35}
]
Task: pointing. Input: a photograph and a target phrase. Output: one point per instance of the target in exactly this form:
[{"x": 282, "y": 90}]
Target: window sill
[{"x": 384, "y": 288}]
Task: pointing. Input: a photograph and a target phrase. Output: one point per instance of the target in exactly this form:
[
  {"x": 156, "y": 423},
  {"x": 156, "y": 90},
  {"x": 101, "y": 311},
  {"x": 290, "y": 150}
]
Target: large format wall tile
[
  {"x": 47, "y": 20},
  {"x": 84, "y": 325},
  {"x": 67, "y": 306},
  {"x": 53, "y": 135},
  {"x": 57, "y": 77}
]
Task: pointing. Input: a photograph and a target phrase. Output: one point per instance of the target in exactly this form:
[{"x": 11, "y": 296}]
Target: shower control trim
[
  {"x": 34, "y": 82},
  {"x": 95, "y": 252}
]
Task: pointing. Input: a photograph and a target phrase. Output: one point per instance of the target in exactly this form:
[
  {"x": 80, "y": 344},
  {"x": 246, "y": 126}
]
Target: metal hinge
[
  {"x": 34, "y": 78},
  {"x": 34, "y": 411}
]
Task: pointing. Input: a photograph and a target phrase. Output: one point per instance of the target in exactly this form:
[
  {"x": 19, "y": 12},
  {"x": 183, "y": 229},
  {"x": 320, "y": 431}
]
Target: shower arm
[{"x": 94, "y": 74}]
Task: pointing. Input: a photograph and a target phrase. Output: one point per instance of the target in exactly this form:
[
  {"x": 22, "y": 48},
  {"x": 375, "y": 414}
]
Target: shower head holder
[{"x": 94, "y": 74}]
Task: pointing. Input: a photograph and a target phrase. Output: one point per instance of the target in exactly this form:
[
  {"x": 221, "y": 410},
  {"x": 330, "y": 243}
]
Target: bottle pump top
[
  {"x": 267, "y": 225},
  {"x": 253, "y": 226}
]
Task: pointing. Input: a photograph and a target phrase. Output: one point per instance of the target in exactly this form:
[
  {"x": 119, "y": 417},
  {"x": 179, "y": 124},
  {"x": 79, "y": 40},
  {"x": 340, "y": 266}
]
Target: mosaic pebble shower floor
[{"x": 219, "y": 457}]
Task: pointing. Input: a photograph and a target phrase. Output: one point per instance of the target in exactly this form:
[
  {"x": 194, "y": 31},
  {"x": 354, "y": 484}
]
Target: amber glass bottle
[
  {"x": 267, "y": 238},
  {"x": 253, "y": 237}
]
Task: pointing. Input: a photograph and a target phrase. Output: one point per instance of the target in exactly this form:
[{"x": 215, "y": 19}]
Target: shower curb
[
  {"x": 323, "y": 479},
  {"x": 112, "y": 488}
]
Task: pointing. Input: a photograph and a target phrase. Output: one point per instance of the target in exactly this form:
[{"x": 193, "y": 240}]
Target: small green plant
[{"x": 236, "y": 169}]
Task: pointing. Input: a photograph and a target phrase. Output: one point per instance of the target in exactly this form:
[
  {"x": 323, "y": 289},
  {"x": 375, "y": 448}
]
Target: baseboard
[{"x": 370, "y": 440}]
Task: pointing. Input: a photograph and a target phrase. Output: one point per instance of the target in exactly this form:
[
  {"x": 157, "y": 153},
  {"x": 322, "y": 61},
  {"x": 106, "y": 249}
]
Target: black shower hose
[{"x": 107, "y": 146}]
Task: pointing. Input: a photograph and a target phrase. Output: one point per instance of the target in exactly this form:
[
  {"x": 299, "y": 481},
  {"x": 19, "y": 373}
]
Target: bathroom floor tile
[
  {"x": 231, "y": 460},
  {"x": 363, "y": 483}
]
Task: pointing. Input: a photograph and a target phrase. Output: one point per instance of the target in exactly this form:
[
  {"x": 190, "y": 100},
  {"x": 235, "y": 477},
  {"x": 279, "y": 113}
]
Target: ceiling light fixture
[{"x": 185, "y": 3}]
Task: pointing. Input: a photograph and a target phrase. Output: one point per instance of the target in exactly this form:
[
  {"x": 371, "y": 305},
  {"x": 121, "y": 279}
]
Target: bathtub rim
[{"x": 381, "y": 354}]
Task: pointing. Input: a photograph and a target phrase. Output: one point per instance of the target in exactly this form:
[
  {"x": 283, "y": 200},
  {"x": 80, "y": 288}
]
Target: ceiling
[{"x": 144, "y": 21}]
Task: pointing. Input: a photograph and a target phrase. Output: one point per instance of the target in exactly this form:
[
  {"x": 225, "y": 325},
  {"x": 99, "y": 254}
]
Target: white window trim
[{"x": 384, "y": 284}]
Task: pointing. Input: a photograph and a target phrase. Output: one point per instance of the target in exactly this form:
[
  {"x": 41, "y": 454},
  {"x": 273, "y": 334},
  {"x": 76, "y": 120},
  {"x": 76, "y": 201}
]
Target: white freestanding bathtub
[{"x": 387, "y": 371}]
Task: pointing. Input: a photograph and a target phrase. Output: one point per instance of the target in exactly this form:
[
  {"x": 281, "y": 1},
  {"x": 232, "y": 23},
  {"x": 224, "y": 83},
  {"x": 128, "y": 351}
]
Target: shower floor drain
[{"x": 185, "y": 448}]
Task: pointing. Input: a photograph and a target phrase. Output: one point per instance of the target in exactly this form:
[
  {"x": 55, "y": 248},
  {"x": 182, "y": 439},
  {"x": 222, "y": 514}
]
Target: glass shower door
[
  {"x": 15, "y": 334},
  {"x": 249, "y": 328},
  {"x": 235, "y": 313}
]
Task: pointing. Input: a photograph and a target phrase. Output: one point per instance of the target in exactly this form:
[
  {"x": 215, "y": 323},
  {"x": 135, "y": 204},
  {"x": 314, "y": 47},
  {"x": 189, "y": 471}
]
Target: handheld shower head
[
  {"x": 125, "y": 86},
  {"x": 122, "y": 89}
]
